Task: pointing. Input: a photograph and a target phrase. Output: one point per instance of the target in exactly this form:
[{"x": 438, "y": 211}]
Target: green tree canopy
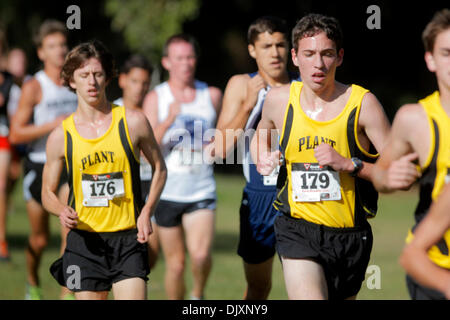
[{"x": 146, "y": 25}]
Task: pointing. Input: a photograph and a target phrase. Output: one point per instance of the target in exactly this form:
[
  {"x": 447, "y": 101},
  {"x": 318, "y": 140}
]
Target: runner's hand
[
  {"x": 144, "y": 228},
  {"x": 327, "y": 156},
  {"x": 68, "y": 217},
  {"x": 267, "y": 162},
  {"x": 402, "y": 173},
  {"x": 254, "y": 85}
]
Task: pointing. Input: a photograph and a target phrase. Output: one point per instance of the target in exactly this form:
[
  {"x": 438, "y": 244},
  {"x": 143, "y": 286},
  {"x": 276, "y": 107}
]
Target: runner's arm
[
  {"x": 152, "y": 153},
  {"x": 375, "y": 124},
  {"x": 261, "y": 145},
  {"x": 430, "y": 230},
  {"x": 394, "y": 168},
  {"x": 144, "y": 142},
  {"x": 22, "y": 131},
  {"x": 150, "y": 109},
  {"x": 50, "y": 179},
  {"x": 235, "y": 112}
]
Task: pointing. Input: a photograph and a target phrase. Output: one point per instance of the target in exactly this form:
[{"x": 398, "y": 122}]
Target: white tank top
[
  {"x": 56, "y": 101},
  {"x": 189, "y": 178}
]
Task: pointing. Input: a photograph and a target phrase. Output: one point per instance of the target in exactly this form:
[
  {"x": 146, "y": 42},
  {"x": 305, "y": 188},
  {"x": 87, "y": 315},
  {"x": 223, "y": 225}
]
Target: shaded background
[{"x": 388, "y": 61}]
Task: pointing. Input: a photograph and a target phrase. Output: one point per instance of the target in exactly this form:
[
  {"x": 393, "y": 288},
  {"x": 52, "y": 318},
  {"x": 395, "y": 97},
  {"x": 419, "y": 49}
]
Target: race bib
[
  {"x": 312, "y": 182},
  {"x": 99, "y": 189},
  {"x": 181, "y": 161}
]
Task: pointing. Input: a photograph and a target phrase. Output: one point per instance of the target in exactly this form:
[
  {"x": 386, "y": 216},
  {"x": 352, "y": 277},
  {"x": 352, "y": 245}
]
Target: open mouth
[
  {"x": 318, "y": 76},
  {"x": 276, "y": 64},
  {"x": 92, "y": 92}
]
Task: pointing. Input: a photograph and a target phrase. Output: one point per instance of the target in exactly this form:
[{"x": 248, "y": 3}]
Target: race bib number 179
[
  {"x": 99, "y": 189},
  {"x": 312, "y": 182}
]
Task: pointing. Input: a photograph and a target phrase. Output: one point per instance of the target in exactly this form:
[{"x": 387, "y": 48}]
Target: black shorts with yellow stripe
[{"x": 343, "y": 253}]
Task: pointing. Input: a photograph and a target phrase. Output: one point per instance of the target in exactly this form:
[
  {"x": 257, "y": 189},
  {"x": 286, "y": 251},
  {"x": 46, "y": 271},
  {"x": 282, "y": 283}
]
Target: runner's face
[
  {"x": 271, "y": 53},
  {"x": 317, "y": 60},
  {"x": 439, "y": 60},
  {"x": 17, "y": 63},
  {"x": 135, "y": 85},
  {"x": 181, "y": 61},
  {"x": 90, "y": 82},
  {"x": 54, "y": 49}
]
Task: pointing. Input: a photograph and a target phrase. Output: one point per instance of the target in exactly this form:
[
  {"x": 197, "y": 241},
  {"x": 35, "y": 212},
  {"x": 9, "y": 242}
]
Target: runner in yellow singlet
[
  {"x": 99, "y": 146},
  {"x": 421, "y": 138},
  {"x": 329, "y": 135}
]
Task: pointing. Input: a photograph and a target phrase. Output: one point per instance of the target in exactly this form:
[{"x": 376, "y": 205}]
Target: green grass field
[{"x": 227, "y": 280}]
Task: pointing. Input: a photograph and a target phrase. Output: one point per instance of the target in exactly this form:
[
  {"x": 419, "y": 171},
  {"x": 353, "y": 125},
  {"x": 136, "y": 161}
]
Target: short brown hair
[
  {"x": 268, "y": 24},
  {"x": 182, "y": 37},
  {"x": 83, "y": 52},
  {"x": 439, "y": 23},
  {"x": 313, "y": 24},
  {"x": 49, "y": 27},
  {"x": 137, "y": 61}
]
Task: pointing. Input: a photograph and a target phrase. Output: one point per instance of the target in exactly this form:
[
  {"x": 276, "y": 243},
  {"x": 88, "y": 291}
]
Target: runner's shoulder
[
  {"x": 279, "y": 94},
  {"x": 411, "y": 113}
]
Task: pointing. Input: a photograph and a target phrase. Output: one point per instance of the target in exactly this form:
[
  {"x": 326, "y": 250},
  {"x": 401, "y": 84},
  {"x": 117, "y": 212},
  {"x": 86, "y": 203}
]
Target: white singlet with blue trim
[
  {"x": 56, "y": 101},
  {"x": 254, "y": 180},
  {"x": 189, "y": 177}
]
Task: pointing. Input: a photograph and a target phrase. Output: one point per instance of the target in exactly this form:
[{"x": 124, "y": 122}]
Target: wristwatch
[{"x": 357, "y": 165}]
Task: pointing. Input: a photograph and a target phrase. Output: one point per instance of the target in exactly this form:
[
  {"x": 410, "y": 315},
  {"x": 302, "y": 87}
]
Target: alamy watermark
[
  {"x": 198, "y": 146},
  {"x": 374, "y": 20},
  {"x": 374, "y": 279},
  {"x": 74, "y": 20},
  {"x": 74, "y": 279}
]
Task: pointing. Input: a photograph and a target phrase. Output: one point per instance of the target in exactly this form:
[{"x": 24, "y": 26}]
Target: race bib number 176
[{"x": 99, "y": 189}]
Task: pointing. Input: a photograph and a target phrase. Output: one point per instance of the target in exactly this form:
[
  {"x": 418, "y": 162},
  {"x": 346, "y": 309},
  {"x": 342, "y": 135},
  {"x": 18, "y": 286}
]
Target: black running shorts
[
  {"x": 32, "y": 180},
  {"x": 419, "y": 292},
  {"x": 170, "y": 213},
  {"x": 94, "y": 261},
  {"x": 344, "y": 253}
]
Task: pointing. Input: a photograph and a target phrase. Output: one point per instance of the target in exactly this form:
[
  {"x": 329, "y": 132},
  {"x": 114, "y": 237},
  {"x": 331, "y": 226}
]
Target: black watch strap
[{"x": 357, "y": 165}]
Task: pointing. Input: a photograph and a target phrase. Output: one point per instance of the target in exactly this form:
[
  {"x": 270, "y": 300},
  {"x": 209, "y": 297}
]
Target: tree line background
[{"x": 388, "y": 61}]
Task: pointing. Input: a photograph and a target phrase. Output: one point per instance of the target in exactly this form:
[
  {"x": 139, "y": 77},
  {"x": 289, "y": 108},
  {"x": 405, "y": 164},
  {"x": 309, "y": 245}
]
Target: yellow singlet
[
  {"x": 435, "y": 173},
  {"x": 320, "y": 194},
  {"x": 103, "y": 176}
]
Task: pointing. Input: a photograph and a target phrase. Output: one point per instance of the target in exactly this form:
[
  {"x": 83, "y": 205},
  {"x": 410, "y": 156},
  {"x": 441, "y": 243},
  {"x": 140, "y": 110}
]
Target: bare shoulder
[
  {"x": 32, "y": 84},
  {"x": 370, "y": 99},
  {"x": 237, "y": 85},
  {"x": 410, "y": 114},
  {"x": 370, "y": 107},
  {"x": 238, "y": 80},
  {"x": 31, "y": 89},
  {"x": 150, "y": 100},
  {"x": 55, "y": 141},
  {"x": 275, "y": 105},
  {"x": 216, "y": 94},
  {"x": 278, "y": 95},
  {"x": 135, "y": 118}
]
